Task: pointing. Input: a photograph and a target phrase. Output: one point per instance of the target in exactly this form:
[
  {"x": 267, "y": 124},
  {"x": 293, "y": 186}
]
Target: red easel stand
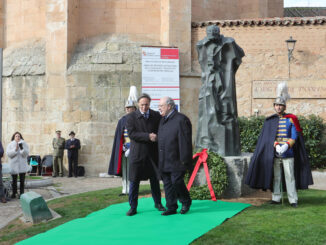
[{"x": 202, "y": 158}]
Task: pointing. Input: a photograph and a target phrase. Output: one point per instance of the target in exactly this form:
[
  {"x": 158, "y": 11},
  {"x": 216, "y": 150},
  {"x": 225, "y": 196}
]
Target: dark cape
[
  {"x": 260, "y": 172},
  {"x": 116, "y": 154}
]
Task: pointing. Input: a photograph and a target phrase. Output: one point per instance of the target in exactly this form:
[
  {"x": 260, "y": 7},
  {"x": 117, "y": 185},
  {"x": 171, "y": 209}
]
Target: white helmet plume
[
  {"x": 133, "y": 95},
  {"x": 132, "y": 99},
  {"x": 282, "y": 94}
]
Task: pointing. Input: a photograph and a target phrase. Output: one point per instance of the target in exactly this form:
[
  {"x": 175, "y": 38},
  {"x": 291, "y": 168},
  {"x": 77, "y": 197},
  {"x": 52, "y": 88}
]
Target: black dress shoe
[
  {"x": 274, "y": 202},
  {"x": 294, "y": 205},
  {"x": 184, "y": 209},
  {"x": 169, "y": 212},
  {"x": 3, "y": 200},
  {"x": 122, "y": 194},
  {"x": 160, "y": 207},
  {"x": 131, "y": 212}
]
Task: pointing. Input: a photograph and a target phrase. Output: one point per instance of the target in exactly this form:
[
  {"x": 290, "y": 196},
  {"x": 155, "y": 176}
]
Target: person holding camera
[{"x": 17, "y": 152}]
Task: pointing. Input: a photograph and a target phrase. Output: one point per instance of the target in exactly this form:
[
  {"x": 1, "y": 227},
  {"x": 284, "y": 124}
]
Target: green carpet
[{"x": 148, "y": 226}]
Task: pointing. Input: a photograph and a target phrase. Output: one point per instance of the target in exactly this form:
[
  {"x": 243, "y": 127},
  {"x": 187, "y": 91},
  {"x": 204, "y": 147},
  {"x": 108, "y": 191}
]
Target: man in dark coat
[
  {"x": 72, "y": 145},
  {"x": 280, "y": 146},
  {"x": 175, "y": 155},
  {"x": 142, "y": 126}
]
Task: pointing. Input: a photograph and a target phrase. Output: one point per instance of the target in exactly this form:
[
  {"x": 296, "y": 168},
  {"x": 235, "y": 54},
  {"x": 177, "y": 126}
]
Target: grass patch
[
  {"x": 32, "y": 177},
  {"x": 275, "y": 224},
  {"x": 266, "y": 224},
  {"x": 71, "y": 207}
]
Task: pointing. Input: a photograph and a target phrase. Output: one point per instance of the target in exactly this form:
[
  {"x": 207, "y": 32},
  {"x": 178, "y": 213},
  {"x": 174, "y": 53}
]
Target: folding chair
[
  {"x": 35, "y": 162},
  {"x": 47, "y": 163}
]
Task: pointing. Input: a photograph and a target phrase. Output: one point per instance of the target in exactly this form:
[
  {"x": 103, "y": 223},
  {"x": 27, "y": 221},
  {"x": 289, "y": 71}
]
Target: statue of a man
[{"x": 218, "y": 128}]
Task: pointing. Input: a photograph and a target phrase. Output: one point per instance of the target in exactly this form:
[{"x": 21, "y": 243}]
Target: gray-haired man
[{"x": 175, "y": 155}]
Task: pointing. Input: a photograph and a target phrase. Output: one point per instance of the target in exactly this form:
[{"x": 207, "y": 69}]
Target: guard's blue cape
[
  {"x": 116, "y": 154},
  {"x": 260, "y": 172}
]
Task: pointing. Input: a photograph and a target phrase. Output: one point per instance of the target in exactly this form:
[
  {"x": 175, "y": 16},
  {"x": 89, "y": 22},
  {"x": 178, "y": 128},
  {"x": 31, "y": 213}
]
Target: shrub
[
  {"x": 250, "y": 128},
  {"x": 313, "y": 133},
  {"x": 218, "y": 176}
]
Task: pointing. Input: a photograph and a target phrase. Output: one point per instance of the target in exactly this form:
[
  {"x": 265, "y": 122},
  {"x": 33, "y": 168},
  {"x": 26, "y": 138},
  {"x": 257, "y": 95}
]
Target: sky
[{"x": 304, "y": 3}]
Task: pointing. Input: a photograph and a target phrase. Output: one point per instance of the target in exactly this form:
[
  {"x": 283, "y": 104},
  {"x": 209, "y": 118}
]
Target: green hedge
[
  {"x": 313, "y": 133},
  {"x": 218, "y": 176}
]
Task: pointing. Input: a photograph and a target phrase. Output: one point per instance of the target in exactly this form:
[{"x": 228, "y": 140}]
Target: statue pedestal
[{"x": 237, "y": 168}]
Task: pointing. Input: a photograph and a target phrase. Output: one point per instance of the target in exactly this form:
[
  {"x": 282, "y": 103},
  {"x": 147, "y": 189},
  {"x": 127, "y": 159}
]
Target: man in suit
[
  {"x": 142, "y": 126},
  {"x": 73, "y": 145},
  {"x": 175, "y": 155},
  {"x": 58, "y": 144}
]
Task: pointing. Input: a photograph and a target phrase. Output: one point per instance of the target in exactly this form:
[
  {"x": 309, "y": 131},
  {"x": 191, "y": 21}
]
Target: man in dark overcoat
[
  {"x": 72, "y": 145},
  {"x": 142, "y": 126},
  {"x": 175, "y": 155}
]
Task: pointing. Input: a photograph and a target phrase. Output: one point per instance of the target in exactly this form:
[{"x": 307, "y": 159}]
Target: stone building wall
[
  {"x": 24, "y": 20},
  {"x": 139, "y": 18},
  {"x": 204, "y": 10},
  {"x": 90, "y": 102}
]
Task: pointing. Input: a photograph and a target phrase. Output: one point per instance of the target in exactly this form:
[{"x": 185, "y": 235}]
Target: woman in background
[{"x": 17, "y": 152}]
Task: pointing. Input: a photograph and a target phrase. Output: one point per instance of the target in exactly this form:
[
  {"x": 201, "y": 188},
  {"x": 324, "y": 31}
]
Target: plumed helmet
[
  {"x": 282, "y": 94},
  {"x": 132, "y": 99}
]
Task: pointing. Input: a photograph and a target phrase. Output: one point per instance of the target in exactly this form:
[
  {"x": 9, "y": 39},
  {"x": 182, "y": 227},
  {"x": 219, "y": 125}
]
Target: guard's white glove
[
  {"x": 123, "y": 148},
  {"x": 127, "y": 153},
  {"x": 278, "y": 149},
  {"x": 284, "y": 148}
]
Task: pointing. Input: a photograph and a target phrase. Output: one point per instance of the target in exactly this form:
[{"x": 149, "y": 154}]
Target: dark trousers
[
  {"x": 14, "y": 183},
  {"x": 72, "y": 165},
  {"x": 134, "y": 189},
  {"x": 175, "y": 188}
]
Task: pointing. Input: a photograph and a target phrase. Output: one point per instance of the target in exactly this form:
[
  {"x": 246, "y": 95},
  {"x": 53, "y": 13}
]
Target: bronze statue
[{"x": 218, "y": 128}]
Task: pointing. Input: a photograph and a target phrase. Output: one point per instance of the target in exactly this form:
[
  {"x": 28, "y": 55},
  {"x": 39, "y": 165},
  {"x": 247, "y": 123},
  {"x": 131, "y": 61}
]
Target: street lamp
[{"x": 290, "y": 43}]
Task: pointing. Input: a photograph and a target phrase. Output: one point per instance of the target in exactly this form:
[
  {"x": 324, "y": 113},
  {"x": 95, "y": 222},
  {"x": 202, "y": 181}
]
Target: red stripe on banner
[
  {"x": 169, "y": 53},
  {"x": 161, "y": 87}
]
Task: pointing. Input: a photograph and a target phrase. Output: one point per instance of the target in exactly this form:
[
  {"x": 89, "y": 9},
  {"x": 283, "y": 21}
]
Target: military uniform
[{"x": 58, "y": 148}]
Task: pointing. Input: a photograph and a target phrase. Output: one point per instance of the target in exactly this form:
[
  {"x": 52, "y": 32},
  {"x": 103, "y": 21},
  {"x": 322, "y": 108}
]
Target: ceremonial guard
[
  {"x": 119, "y": 162},
  {"x": 280, "y": 146}
]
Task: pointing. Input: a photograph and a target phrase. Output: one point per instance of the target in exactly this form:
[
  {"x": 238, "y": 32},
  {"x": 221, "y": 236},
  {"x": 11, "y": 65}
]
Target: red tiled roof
[{"x": 293, "y": 21}]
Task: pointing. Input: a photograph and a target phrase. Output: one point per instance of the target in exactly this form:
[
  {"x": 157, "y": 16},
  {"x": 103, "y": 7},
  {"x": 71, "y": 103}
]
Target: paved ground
[
  {"x": 69, "y": 186},
  {"x": 61, "y": 187}
]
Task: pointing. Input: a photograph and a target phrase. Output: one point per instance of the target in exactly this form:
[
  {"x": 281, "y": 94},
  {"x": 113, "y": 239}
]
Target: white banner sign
[{"x": 160, "y": 74}]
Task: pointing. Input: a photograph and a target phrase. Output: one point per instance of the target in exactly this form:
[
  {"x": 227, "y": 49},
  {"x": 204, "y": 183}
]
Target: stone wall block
[
  {"x": 112, "y": 46},
  {"x": 124, "y": 67},
  {"x": 107, "y": 58}
]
